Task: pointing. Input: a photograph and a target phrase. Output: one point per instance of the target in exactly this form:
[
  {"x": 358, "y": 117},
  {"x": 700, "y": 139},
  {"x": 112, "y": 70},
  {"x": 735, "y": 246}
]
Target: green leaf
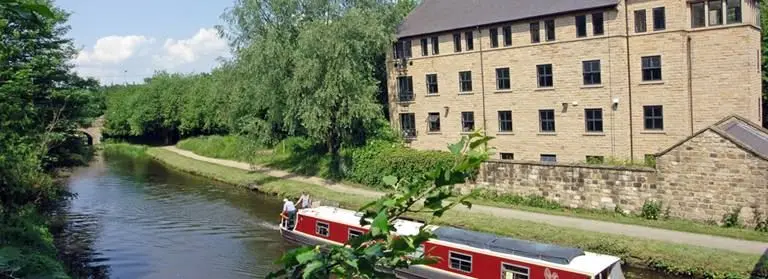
[
  {"x": 310, "y": 269},
  {"x": 456, "y": 148},
  {"x": 479, "y": 142},
  {"x": 306, "y": 256},
  {"x": 380, "y": 225},
  {"x": 390, "y": 180},
  {"x": 40, "y": 9}
]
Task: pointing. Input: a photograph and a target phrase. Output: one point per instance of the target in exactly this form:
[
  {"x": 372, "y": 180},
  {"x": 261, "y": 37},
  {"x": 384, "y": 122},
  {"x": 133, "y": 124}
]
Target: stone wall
[
  {"x": 702, "y": 179},
  {"x": 582, "y": 186},
  {"x": 709, "y": 176}
]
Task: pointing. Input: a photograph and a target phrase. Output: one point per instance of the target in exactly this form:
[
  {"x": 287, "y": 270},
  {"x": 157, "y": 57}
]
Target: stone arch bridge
[{"x": 93, "y": 133}]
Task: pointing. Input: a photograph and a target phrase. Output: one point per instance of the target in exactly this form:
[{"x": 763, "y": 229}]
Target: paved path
[{"x": 736, "y": 245}]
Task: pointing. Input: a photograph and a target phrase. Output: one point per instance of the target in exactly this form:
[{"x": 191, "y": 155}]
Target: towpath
[{"x": 730, "y": 244}]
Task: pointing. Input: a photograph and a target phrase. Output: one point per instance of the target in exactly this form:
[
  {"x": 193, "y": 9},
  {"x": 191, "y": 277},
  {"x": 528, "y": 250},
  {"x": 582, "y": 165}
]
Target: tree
[{"x": 380, "y": 248}]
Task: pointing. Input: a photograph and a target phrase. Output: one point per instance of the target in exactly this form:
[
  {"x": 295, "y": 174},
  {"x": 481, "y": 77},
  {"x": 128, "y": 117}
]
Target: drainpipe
[
  {"x": 690, "y": 80},
  {"x": 482, "y": 79},
  {"x": 629, "y": 85}
]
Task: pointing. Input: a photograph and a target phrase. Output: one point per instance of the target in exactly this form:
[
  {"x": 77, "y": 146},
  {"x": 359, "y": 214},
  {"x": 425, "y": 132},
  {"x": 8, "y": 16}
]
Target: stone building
[
  {"x": 717, "y": 170},
  {"x": 565, "y": 81}
]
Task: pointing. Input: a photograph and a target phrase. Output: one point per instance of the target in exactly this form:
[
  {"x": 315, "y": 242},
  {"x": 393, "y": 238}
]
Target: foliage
[
  {"x": 512, "y": 199},
  {"x": 380, "y": 248},
  {"x": 731, "y": 219},
  {"x": 224, "y": 147},
  {"x": 761, "y": 223},
  {"x": 651, "y": 210},
  {"x": 42, "y": 103},
  {"x": 386, "y": 158}
]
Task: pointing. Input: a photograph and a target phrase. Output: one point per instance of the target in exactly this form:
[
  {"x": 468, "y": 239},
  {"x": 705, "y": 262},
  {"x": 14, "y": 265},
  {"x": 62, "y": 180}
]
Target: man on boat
[
  {"x": 288, "y": 214},
  {"x": 304, "y": 201}
]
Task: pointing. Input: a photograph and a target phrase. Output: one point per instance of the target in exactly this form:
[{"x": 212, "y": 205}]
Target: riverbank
[
  {"x": 662, "y": 256},
  {"x": 286, "y": 156}
]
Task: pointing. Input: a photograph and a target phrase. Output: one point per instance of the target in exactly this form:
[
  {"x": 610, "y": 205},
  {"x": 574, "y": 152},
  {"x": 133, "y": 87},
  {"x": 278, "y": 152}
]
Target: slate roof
[
  {"x": 744, "y": 133},
  {"x": 546, "y": 252},
  {"x": 443, "y": 15}
]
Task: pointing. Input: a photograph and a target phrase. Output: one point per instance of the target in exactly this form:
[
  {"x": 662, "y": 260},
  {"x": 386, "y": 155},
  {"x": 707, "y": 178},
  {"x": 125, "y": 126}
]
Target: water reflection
[{"x": 137, "y": 219}]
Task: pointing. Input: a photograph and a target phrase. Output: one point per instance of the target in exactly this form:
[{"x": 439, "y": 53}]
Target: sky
[{"x": 128, "y": 40}]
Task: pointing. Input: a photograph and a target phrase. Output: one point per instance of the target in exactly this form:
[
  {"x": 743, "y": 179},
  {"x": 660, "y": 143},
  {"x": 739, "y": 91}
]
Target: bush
[
  {"x": 223, "y": 147},
  {"x": 651, "y": 210},
  {"x": 381, "y": 158},
  {"x": 731, "y": 220},
  {"x": 530, "y": 200}
]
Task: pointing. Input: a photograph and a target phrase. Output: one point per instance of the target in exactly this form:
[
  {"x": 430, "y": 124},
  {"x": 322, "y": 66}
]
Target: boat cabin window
[
  {"x": 322, "y": 229},
  {"x": 353, "y": 233},
  {"x": 510, "y": 271},
  {"x": 460, "y": 262}
]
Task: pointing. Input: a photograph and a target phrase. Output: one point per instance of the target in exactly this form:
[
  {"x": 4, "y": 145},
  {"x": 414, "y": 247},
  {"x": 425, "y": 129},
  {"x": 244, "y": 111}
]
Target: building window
[
  {"x": 424, "y": 47},
  {"x": 544, "y": 74},
  {"x": 733, "y": 10},
  {"x": 697, "y": 15},
  {"x": 715, "y": 12},
  {"x": 640, "y": 21},
  {"x": 595, "y": 160},
  {"x": 502, "y": 79},
  {"x": 507, "y": 156},
  {"x": 434, "y": 121},
  {"x": 651, "y": 68},
  {"x": 507, "y": 32},
  {"x": 465, "y": 81},
  {"x": 460, "y": 262},
  {"x": 467, "y": 121},
  {"x": 659, "y": 19},
  {"x": 322, "y": 229},
  {"x": 408, "y": 125},
  {"x": 549, "y": 26},
  {"x": 403, "y": 49},
  {"x": 494, "y": 33},
  {"x": 435, "y": 45},
  {"x": 405, "y": 89},
  {"x": 509, "y": 271},
  {"x": 594, "y": 120},
  {"x": 547, "y": 120},
  {"x": 352, "y": 234},
  {"x": 505, "y": 121},
  {"x": 592, "y": 74},
  {"x": 548, "y": 158},
  {"x": 654, "y": 117},
  {"x": 597, "y": 24},
  {"x": 432, "y": 84},
  {"x": 470, "y": 38},
  {"x": 535, "y": 34},
  {"x": 581, "y": 26},
  {"x": 457, "y": 42}
]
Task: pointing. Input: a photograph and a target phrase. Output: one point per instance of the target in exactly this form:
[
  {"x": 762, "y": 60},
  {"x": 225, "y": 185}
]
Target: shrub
[
  {"x": 761, "y": 224},
  {"x": 731, "y": 219},
  {"x": 381, "y": 158},
  {"x": 223, "y": 147},
  {"x": 651, "y": 210},
  {"x": 530, "y": 200}
]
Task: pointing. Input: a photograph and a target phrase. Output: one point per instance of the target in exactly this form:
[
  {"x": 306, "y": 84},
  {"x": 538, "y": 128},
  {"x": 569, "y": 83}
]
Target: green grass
[
  {"x": 127, "y": 149},
  {"x": 307, "y": 162},
  {"x": 665, "y": 257}
]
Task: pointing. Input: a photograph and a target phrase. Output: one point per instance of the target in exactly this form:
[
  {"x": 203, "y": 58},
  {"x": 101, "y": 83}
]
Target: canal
[{"x": 135, "y": 218}]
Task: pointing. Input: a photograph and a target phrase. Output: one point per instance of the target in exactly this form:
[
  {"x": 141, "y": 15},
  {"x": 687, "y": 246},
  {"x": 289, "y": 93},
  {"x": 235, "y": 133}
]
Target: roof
[
  {"x": 747, "y": 135},
  {"x": 352, "y": 218},
  {"x": 742, "y": 132},
  {"x": 546, "y": 252},
  {"x": 433, "y": 16}
]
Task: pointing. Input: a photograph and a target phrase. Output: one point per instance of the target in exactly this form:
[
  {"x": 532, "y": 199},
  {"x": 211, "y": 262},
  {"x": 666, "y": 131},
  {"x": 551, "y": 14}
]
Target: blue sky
[{"x": 131, "y": 39}]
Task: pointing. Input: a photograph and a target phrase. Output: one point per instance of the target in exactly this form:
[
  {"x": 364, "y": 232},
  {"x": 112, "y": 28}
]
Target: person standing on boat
[
  {"x": 288, "y": 214},
  {"x": 304, "y": 201}
]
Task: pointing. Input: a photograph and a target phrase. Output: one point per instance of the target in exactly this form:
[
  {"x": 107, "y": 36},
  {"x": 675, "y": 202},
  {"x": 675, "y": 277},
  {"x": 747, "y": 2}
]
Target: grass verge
[
  {"x": 669, "y": 258},
  {"x": 314, "y": 164}
]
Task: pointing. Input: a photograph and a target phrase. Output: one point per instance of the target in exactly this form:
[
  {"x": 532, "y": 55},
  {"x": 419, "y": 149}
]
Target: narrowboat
[{"x": 462, "y": 253}]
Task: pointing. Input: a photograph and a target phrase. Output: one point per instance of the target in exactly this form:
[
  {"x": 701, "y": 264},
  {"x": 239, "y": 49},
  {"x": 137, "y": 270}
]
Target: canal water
[{"x": 135, "y": 218}]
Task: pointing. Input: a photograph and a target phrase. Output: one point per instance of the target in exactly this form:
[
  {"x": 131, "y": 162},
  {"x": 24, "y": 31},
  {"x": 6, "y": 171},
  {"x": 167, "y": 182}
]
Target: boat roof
[{"x": 569, "y": 258}]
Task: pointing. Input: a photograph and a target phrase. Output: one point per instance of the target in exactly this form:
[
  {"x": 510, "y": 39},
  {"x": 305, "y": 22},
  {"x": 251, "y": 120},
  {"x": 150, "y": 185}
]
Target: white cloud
[
  {"x": 112, "y": 49},
  {"x": 118, "y": 59}
]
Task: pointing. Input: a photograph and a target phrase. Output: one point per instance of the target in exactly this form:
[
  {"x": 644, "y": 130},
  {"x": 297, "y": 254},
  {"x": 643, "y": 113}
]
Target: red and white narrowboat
[{"x": 462, "y": 253}]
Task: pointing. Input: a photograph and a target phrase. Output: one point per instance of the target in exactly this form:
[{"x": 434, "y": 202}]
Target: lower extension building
[{"x": 574, "y": 81}]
